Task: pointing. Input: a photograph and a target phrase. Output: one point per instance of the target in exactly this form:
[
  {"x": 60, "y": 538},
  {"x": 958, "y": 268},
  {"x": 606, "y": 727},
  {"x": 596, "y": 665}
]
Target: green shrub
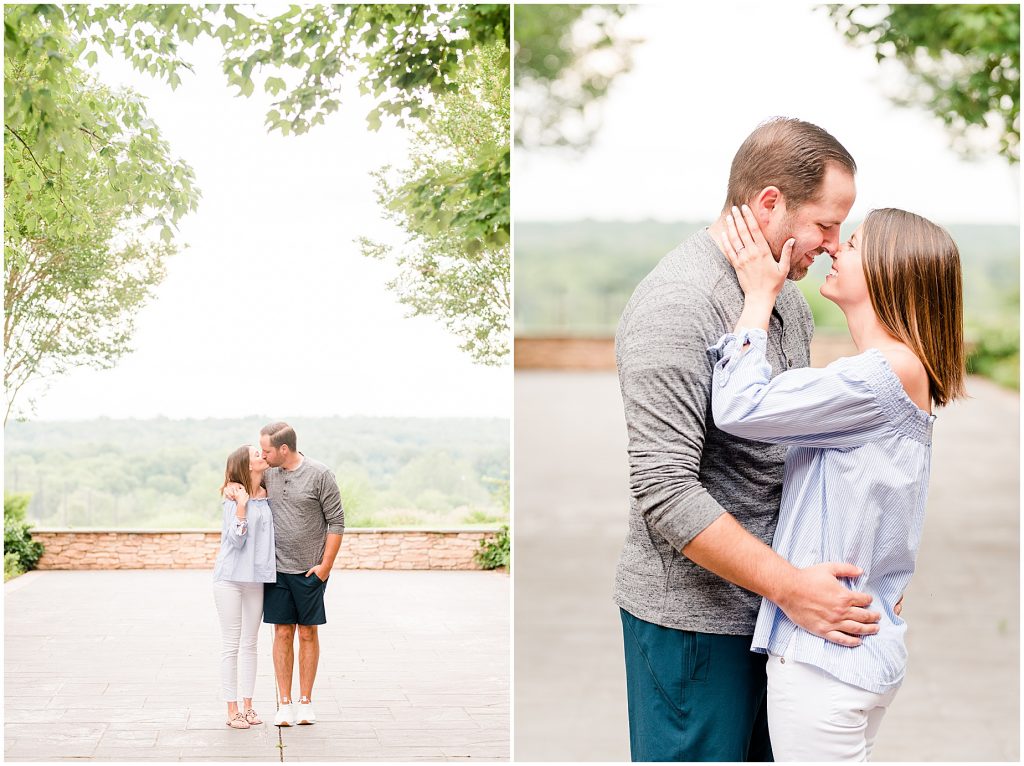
[
  {"x": 12, "y": 567},
  {"x": 494, "y": 552},
  {"x": 995, "y": 353},
  {"x": 21, "y": 552}
]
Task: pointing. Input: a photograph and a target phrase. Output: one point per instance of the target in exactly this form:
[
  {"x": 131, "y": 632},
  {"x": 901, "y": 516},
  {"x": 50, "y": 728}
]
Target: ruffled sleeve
[
  {"x": 835, "y": 406},
  {"x": 235, "y": 529}
]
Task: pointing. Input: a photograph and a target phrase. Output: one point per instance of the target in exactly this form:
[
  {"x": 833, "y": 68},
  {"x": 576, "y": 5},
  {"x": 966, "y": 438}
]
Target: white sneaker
[
  {"x": 306, "y": 714},
  {"x": 284, "y": 716}
]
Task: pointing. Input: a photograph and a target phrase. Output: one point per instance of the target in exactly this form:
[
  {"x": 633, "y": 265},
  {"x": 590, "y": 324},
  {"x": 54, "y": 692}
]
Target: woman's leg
[
  {"x": 875, "y": 720},
  {"x": 228, "y": 598},
  {"x": 813, "y": 716},
  {"x": 252, "y": 616}
]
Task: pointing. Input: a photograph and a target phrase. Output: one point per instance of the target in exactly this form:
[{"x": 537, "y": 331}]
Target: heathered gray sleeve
[
  {"x": 665, "y": 374},
  {"x": 330, "y": 500}
]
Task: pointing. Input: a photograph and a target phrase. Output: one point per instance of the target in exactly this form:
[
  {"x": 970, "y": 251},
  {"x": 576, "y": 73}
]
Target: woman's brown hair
[
  {"x": 912, "y": 270},
  {"x": 238, "y": 470}
]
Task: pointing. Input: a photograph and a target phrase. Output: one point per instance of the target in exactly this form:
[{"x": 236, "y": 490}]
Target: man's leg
[
  {"x": 309, "y": 658},
  {"x": 279, "y": 610},
  {"x": 312, "y": 613},
  {"x": 692, "y": 696},
  {"x": 284, "y": 660},
  {"x": 760, "y": 748}
]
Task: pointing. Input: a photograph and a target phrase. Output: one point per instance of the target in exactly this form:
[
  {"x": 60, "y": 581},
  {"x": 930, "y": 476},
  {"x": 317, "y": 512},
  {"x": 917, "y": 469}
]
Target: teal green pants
[{"x": 693, "y": 696}]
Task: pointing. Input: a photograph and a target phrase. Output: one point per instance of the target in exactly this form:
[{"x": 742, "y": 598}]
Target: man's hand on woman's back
[{"x": 816, "y": 601}]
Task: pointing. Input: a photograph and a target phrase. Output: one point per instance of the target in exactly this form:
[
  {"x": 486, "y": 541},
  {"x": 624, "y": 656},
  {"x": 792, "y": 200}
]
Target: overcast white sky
[
  {"x": 706, "y": 76},
  {"x": 272, "y": 309}
]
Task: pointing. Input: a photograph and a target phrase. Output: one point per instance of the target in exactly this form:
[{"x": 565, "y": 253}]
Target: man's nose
[{"x": 831, "y": 243}]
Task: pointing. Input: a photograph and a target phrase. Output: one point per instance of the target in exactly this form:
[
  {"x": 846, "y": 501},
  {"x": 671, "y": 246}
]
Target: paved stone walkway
[
  {"x": 123, "y": 665},
  {"x": 960, "y": 701}
]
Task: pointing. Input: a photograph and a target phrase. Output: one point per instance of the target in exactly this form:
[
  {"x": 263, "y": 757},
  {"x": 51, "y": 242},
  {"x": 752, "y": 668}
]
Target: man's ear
[{"x": 768, "y": 205}]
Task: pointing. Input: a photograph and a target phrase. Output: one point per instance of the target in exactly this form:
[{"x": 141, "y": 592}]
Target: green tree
[
  {"x": 452, "y": 200},
  {"x": 405, "y": 56},
  {"x": 358, "y": 495},
  {"x": 963, "y": 61},
  {"x": 91, "y": 194},
  {"x": 408, "y": 58},
  {"x": 567, "y": 57},
  {"x": 452, "y": 478}
]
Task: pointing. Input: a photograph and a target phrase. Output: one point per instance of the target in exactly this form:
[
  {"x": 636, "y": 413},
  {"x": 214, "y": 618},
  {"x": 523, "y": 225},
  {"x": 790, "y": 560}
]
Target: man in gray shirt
[
  {"x": 308, "y": 526},
  {"x": 704, "y": 505}
]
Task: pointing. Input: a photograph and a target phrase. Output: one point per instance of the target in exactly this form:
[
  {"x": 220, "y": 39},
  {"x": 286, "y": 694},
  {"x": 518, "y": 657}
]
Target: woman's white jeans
[
  {"x": 240, "y": 609},
  {"x": 813, "y": 716}
]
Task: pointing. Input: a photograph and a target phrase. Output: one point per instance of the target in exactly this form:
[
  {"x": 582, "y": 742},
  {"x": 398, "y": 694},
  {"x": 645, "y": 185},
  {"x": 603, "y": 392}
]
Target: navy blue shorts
[
  {"x": 694, "y": 696},
  {"x": 294, "y": 600}
]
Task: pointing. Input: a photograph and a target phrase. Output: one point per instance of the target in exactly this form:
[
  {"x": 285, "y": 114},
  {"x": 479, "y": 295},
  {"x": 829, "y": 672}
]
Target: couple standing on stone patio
[{"x": 282, "y": 529}]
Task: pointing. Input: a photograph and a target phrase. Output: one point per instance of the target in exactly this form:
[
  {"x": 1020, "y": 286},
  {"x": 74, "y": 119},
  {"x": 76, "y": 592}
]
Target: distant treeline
[
  {"x": 166, "y": 473},
  {"x": 574, "y": 278}
]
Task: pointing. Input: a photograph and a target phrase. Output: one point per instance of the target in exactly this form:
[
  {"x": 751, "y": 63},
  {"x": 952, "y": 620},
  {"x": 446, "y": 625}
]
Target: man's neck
[
  {"x": 294, "y": 461},
  {"x": 717, "y": 230}
]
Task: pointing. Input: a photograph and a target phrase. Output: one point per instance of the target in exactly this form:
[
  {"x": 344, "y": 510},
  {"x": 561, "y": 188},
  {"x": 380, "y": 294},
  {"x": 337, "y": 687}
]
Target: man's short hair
[
  {"x": 789, "y": 154},
  {"x": 280, "y": 433}
]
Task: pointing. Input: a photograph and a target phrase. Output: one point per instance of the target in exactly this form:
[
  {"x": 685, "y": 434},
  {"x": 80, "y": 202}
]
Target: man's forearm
[
  {"x": 813, "y": 597},
  {"x": 731, "y": 552},
  {"x": 331, "y": 550}
]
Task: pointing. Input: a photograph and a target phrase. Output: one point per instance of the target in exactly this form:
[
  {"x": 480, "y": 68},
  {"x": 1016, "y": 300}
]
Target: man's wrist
[{"x": 780, "y": 585}]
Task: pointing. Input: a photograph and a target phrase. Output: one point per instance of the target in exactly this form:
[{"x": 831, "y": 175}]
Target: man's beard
[{"x": 797, "y": 269}]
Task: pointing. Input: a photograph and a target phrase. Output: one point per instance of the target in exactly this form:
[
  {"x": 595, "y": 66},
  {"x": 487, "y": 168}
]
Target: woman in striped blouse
[
  {"x": 856, "y": 480},
  {"x": 245, "y": 562}
]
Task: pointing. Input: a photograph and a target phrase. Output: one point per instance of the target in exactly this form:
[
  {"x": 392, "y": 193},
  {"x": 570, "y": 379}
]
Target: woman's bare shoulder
[{"x": 912, "y": 374}]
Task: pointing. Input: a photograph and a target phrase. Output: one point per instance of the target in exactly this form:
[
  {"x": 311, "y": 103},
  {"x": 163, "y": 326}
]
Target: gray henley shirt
[
  {"x": 306, "y": 506},
  {"x": 683, "y": 472}
]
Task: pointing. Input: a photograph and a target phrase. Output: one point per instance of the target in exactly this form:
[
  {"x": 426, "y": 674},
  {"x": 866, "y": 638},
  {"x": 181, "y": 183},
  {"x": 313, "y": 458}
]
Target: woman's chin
[{"x": 826, "y": 291}]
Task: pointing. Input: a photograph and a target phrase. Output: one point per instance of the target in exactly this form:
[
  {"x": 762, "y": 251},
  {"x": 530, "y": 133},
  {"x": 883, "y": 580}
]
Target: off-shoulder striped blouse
[{"x": 855, "y": 486}]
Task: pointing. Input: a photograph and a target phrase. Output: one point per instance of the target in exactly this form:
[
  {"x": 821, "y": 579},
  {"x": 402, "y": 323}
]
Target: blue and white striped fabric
[
  {"x": 247, "y": 548},
  {"x": 855, "y": 486}
]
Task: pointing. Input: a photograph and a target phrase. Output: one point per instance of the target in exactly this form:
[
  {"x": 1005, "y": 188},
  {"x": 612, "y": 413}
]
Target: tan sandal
[
  {"x": 238, "y": 722},
  {"x": 252, "y": 717}
]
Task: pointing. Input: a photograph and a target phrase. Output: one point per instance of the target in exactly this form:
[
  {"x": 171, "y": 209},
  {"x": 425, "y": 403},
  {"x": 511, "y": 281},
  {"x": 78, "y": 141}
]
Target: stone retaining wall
[
  {"x": 599, "y": 353},
  {"x": 564, "y": 354},
  {"x": 197, "y": 549}
]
